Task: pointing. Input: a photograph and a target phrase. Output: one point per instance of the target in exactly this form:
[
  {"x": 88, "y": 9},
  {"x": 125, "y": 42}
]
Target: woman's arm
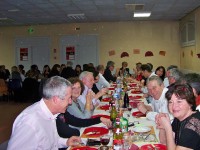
[{"x": 74, "y": 121}]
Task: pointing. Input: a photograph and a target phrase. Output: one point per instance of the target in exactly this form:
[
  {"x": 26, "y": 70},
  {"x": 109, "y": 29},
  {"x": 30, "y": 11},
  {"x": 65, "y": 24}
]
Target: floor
[{"x": 8, "y": 113}]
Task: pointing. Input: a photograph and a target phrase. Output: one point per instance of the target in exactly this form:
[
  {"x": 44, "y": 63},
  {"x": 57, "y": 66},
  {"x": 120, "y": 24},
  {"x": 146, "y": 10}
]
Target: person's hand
[
  {"x": 89, "y": 97},
  {"x": 141, "y": 107},
  {"x": 104, "y": 91},
  {"x": 73, "y": 141},
  {"x": 163, "y": 121},
  {"x": 106, "y": 121}
]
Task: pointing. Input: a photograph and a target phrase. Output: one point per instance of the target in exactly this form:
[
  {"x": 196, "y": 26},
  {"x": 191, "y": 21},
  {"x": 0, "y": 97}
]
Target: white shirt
[
  {"x": 82, "y": 97},
  {"x": 35, "y": 129},
  {"x": 102, "y": 82},
  {"x": 159, "y": 106},
  {"x": 166, "y": 82}
]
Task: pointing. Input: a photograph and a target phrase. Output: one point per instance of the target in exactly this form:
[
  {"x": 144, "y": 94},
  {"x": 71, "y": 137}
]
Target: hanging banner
[
  {"x": 23, "y": 54},
  {"x": 70, "y": 53}
]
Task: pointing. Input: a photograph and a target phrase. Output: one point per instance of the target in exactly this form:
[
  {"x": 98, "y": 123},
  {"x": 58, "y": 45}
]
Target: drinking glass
[{"x": 105, "y": 139}]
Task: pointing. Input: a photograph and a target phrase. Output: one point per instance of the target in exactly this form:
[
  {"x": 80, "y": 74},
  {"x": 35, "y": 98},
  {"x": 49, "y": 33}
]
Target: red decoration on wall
[
  {"x": 124, "y": 54},
  {"x": 162, "y": 53},
  {"x": 148, "y": 54},
  {"x": 112, "y": 52},
  {"x": 136, "y": 51}
]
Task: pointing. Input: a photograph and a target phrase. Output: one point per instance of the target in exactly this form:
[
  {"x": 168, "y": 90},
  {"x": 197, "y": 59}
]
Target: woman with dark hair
[
  {"x": 78, "y": 70},
  {"x": 160, "y": 71},
  {"x": 46, "y": 71},
  {"x": 55, "y": 71},
  {"x": 184, "y": 132}
]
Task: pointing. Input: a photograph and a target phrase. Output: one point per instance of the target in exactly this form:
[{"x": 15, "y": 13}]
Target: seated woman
[
  {"x": 124, "y": 71},
  {"x": 64, "y": 121},
  {"x": 160, "y": 71},
  {"x": 77, "y": 108},
  {"x": 184, "y": 132}
]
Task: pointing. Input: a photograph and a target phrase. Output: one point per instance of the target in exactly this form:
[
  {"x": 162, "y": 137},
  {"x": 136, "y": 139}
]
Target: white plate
[{"x": 141, "y": 129}]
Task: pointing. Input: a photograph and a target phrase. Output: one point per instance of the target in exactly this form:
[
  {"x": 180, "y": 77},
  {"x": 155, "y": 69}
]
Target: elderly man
[
  {"x": 174, "y": 75},
  {"x": 102, "y": 81},
  {"x": 108, "y": 72},
  {"x": 159, "y": 102},
  {"x": 35, "y": 127},
  {"x": 88, "y": 80}
]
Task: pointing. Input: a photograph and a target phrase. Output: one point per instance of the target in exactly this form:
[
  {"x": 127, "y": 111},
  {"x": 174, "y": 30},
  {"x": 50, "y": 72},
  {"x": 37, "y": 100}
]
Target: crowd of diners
[{"x": 69, "y": 97}]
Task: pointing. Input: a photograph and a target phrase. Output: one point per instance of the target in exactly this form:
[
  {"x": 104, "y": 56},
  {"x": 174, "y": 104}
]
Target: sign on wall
[
  {"x": 70, "y": 53},
  {"x": 23, "y": 54}
]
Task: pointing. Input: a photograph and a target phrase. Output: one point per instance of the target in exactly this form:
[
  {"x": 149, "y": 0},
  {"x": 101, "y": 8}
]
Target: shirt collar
[{"x": 47, "y": 113}]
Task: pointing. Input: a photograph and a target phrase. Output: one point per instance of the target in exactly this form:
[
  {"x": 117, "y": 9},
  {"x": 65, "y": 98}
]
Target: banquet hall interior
[{"x": 95, "y": 31}]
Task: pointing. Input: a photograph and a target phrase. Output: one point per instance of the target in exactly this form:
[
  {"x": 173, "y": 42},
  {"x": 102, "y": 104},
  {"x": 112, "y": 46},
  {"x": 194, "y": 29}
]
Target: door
[{"x": 85, "y": 49}]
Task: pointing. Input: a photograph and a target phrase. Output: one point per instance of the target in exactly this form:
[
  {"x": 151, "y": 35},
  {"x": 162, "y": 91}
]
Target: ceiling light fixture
[
  {"x": 76, "y": 16},
  {"x": 142, "y": 14}
]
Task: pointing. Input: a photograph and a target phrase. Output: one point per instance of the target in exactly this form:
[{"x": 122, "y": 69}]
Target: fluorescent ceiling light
[{"x": 141, "y": 14}]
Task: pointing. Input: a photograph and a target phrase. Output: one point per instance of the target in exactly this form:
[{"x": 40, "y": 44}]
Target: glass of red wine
[{"x": 105, "y": 139}]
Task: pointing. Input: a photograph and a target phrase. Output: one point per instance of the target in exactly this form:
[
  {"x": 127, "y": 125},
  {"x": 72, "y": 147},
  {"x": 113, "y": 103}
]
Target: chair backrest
[{"x": 14, "y": 84}]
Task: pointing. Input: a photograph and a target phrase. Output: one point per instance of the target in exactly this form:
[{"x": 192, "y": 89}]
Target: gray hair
[
  {"x": 175, "y": 73},
  {"x": 55, "y": 86},
  {"x": 155, "y": 78},
  {"x": 110, "y": 63},
  {"x": 84, "y": 74}
]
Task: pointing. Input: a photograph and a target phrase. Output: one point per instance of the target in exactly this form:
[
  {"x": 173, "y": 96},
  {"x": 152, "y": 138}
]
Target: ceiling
[{"x": 34, "y": 12}]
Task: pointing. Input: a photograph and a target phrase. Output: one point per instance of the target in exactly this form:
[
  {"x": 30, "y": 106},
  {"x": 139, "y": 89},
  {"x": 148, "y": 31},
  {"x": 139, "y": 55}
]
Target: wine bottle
[{"x": 126, "y": 100}]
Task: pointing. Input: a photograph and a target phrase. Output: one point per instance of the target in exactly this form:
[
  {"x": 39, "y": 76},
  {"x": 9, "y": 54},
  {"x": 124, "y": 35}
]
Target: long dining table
[{"x": 143, "y": 132}]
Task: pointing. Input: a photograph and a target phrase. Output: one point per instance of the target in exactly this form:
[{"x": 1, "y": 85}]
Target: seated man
[
  {"x": 35, "y": 127},
  {"x": 102, "y": 81},
  {"x": 159, "y": 102},
  {"x": 108, "y": 72},
  {"x": 88, "y": 80}
]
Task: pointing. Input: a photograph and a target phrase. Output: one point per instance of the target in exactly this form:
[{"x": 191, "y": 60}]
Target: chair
[
  {"x": 3, "y": 89},
  {"x": 15, "y": 89}
]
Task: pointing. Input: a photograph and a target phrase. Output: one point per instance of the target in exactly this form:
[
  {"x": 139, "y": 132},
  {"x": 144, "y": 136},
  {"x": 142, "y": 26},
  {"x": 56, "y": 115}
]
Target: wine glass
[{"x": 105, "y": 139}]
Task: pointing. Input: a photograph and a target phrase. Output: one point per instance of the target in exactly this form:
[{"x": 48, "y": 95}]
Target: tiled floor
[{"x": 8, "y": 113}]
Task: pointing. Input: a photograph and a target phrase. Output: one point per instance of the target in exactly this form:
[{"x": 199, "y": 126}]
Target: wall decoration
[
  {"x": 162, "y": 53},
  {"x": 148, "y": 54},
  {"x": 198, "y": 55},
  {"x": 183, "y": 54},
  {"x": 124, "y": 54},
  {"x": 111, "y": 53},
  {"x": 136, "y": 51},
  {"x": 70, "y": 53},
  {"x": 191, "y": 53},
  {"x": 23, "y": 54}
]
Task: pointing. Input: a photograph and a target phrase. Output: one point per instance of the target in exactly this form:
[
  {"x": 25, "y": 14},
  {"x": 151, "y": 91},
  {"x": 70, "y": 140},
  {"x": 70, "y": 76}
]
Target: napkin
[
  {"x": 94, "y": 132},
  {"x": 136, "y": 92},
  {"x": 138, "y": 114},
  {"x": 104, "y": 107},
  {"x": 107, "y": 99}
]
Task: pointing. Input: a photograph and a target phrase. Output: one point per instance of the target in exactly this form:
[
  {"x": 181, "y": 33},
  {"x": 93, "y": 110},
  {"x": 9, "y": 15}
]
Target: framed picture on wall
[{"x": 70, "y": 53}]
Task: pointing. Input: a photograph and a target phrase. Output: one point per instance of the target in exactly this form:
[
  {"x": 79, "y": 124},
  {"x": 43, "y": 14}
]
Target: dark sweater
[{"x": 64, "y": 120}]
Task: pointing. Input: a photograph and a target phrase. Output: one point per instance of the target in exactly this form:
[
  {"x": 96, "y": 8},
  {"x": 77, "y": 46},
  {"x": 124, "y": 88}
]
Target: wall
[
  {"x": 189, "y": 62},
  {"x": 119, "y": 36}
]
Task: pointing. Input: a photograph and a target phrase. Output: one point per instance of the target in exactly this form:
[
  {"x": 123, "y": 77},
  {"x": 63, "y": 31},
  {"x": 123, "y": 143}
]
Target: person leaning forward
[{"x": 35, "y": 127}]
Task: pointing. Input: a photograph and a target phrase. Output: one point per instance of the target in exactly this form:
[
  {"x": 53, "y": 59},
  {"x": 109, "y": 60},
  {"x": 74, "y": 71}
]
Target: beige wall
[
  {"x": 189, "y": 62},
  {"x": 118, "y": 36}
]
